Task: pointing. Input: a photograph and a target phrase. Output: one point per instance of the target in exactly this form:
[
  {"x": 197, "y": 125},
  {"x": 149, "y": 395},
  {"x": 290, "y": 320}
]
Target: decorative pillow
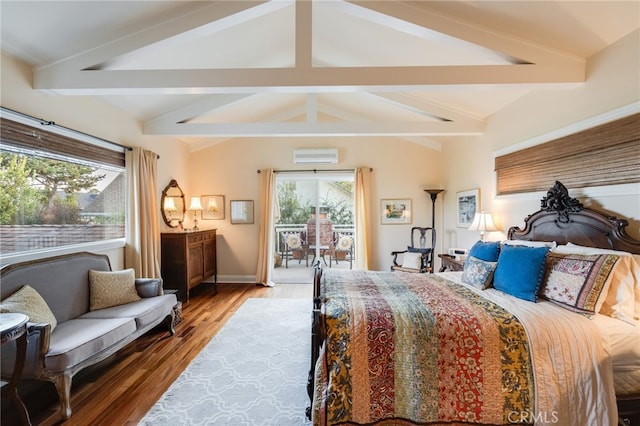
[
  {"x": 622, "y": 297},
  {"x": 487, "y": 251},
  {"x": 478, "y": 273},
  {"x": 293, "y": 241},
  {"x": 29, "y": 302},
  {"x": 577, "y": 281},
  {"x": 344, "y": 242},
  {"x": 412, "y": 260},
  {"x": 520, "y": 271},
  {"x": 111, "y": 288},
  {"x": 418, "y": 250},
  {"x": 550, "y": 244},
  {"x": 149, "y": 287}
]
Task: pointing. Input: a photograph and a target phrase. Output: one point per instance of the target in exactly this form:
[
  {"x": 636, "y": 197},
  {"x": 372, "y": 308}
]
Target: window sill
[{"x": 97, "y": 246}]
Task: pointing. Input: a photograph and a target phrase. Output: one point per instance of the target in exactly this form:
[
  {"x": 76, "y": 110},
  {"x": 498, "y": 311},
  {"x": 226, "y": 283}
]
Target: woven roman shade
[
  {"x": 608, "y": 154},
  {"x": 23, "y": 136}
]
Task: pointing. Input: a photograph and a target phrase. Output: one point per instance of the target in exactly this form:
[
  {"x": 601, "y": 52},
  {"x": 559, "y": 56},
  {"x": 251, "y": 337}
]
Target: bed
[{"x": 553, "y": 339}]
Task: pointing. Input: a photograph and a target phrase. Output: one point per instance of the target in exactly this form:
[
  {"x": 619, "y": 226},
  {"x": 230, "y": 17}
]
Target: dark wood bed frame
[{"x": 561, "y": 219}]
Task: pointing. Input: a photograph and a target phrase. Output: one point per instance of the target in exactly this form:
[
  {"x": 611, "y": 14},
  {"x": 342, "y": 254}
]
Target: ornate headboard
[{"x": 564, "y": 220}]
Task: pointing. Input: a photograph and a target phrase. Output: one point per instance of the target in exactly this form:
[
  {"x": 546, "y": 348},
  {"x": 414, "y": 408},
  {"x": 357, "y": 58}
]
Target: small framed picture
[
  {"x": 213, "y": 206},
  {"x": 241, "y": 211},
  {"x": 395, "y": 211},
  {"x": 468, "y": 203}
]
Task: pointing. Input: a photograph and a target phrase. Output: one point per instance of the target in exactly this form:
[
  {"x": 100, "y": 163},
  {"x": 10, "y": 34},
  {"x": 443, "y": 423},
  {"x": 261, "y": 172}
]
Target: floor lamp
[{"x": 434, "y": 195}]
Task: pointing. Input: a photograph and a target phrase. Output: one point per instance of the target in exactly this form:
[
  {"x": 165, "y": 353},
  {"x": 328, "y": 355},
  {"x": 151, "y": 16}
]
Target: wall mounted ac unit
[{"x": 315, "y": 156}]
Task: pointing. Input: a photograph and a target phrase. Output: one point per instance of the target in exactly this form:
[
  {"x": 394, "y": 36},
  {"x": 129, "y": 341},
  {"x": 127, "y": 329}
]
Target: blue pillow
[
  {"x": 487, "y": 251},
  {"x": 520, "y": 271},
  {"x": 418, "y": 250}
]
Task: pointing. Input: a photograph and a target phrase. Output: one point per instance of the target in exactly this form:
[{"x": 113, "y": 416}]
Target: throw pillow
[
  {"x": 412, "y": 260},
  {"x": 111, "y": 288},
  {"x": 345, "y": 242},
  {"x": 29, "y": 302},
  {"x": 520, "y": 271},
  {"x": 577, "y": 281},
  {"x": 623, "y": 295},
  {"x": 294, "y": 241},
  {"x": 418, "y": 250},
  {"x": 487, "y": 251},
  {"x": 478, "y": 273}
]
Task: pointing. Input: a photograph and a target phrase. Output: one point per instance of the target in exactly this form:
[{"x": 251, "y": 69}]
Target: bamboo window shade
[
  {"x": 608, "y": 154},
  {"x": 21, "y": 135}
]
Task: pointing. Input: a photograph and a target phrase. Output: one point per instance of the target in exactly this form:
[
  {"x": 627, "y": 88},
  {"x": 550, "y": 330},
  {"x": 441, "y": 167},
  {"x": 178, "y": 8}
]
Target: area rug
[{"x": 253, "y": 372}]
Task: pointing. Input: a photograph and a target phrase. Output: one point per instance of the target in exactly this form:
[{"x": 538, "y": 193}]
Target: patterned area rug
[{"x": 253, "y": 372}]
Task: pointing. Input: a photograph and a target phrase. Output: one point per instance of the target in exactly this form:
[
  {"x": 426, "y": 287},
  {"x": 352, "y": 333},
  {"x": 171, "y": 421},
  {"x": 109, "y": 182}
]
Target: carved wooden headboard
[{"x": 564, "y": 220}]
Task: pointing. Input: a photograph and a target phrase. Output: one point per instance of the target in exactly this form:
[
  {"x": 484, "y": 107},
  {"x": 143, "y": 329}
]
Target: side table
[
  {"x": 450, "y": 263},
  {"x": 14, "y": 327}
]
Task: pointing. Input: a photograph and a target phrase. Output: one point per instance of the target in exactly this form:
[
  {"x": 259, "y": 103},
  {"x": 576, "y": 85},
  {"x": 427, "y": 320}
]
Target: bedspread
[{"x": 399, "y": 346}]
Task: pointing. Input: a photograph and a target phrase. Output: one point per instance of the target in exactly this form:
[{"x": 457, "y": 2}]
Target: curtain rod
[
  {"x": 44, "y": 122},
  {"x": 313, "y": 170}
]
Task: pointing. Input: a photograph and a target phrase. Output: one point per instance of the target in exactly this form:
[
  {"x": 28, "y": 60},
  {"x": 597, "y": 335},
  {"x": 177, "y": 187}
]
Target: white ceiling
[{"x": 207, "y": 71}]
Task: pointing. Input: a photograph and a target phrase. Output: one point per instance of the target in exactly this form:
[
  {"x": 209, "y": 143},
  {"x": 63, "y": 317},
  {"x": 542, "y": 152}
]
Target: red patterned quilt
[{"x": 399, "y": 346}]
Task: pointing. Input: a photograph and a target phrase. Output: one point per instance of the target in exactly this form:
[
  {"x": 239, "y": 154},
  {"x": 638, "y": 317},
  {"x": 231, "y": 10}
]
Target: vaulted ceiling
[{"x": 208, "y": 71}]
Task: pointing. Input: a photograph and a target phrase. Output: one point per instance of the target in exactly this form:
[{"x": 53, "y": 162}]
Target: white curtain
[
  {"x": 142, "y": 250},
  {"x": 268, "y": 203},
  {"x": 362, "y": 212}
]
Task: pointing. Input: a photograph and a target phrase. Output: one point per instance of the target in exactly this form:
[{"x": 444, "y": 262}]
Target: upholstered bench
[{"x": 80, "y": 313}]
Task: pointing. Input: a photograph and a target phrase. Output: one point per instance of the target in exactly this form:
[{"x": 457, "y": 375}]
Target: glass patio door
[{"x": 315, "y": 209}]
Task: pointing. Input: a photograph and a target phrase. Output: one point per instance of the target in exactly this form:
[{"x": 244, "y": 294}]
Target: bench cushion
[
  {"x": 145, "y": 311},
  {"x": 76, "y": 340}
]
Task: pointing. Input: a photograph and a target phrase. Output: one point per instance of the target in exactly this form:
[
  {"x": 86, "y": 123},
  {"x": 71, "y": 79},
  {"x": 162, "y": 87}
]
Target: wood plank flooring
[{"x": 121, "y": 389}]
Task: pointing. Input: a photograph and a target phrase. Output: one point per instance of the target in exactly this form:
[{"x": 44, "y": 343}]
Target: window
[{"x": 57, "y": 191}]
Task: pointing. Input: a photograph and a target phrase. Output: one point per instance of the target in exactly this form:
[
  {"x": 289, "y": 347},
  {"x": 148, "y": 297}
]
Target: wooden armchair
[
  {"x": 342, "y": 247},
  {"x": 416, "y": 258},
  {"x": 294, "y": 241}
]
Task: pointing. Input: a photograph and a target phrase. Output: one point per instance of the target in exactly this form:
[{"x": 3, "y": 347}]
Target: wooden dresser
[{"x": 187, "y": 259}]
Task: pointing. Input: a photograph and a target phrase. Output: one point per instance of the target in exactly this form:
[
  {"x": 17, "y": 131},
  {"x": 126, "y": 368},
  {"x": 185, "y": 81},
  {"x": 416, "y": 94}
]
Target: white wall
[
  {"x": 612, "y": 83},
  {"x": 400, "y": 170}
]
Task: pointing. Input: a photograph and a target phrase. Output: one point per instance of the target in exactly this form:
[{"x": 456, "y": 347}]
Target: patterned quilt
[{"x": 418, "y": 350}]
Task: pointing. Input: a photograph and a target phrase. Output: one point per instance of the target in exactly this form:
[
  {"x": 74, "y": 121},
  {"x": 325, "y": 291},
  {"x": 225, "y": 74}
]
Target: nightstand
[{"x": 449, "y": 263}]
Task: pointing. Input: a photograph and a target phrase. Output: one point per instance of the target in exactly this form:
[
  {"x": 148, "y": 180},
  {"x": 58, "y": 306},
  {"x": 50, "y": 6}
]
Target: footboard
[{"x": 316, "y": 334}]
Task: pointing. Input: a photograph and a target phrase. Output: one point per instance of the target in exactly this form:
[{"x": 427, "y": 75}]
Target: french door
[{"x": 313, "y": 210}]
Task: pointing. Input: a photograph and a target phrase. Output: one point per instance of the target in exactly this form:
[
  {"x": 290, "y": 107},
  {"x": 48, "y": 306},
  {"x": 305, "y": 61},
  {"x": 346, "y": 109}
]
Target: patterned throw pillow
[
  {"x": 29, "y": 302},
  {"x": 478, "y": 273},
  {"x": 293, "y": 241},
  {"x": 577, "y": 281},
  {"x": 111, "y": 288},
  {"x": 345, "y": 242}
]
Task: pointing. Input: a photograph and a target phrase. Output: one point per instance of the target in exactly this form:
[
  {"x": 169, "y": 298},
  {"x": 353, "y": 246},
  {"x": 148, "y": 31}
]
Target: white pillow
[
  {"x": 526, "y": 243},
  {"x": 412, "y": 260},
  {"x": 622, "y": 299}
]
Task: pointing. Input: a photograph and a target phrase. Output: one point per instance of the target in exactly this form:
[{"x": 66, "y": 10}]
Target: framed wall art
[
  {"x": 213, "y": 206},
  {"x": 395, "y": 211},
  {"x": 468, "y": 204},
  {"x": 241, "y": 211}
]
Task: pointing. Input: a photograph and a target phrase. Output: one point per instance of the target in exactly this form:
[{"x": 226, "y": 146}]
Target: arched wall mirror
[{"x": 172, "y": 205}]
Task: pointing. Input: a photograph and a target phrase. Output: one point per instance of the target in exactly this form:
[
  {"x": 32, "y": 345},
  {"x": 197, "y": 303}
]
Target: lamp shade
[
  {"x": 169, "y": 204},
  {"x": 195, "y": 204},
  {"x": 483, "y": 222}
]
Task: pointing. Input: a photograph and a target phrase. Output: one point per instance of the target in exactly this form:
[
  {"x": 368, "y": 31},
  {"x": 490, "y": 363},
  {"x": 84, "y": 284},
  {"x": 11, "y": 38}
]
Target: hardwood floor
[{"x": 121, "y": 389}]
